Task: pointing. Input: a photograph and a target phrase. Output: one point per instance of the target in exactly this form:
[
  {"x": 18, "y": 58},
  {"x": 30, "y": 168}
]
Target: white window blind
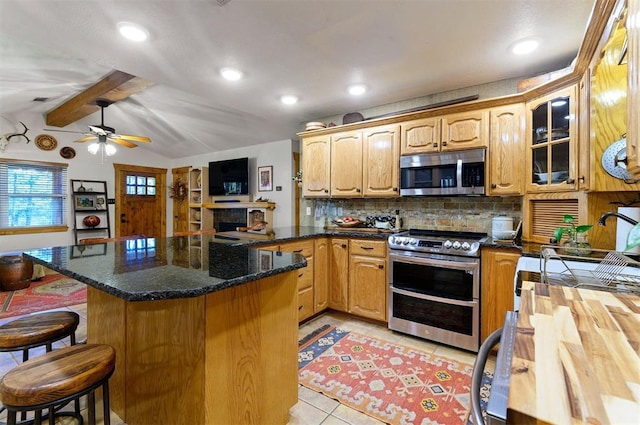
[{"x": 32, "y": 194}]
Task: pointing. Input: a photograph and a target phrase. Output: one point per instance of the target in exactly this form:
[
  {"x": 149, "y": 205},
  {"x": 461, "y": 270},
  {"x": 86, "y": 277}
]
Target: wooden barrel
[{"x": 15, "y": 272}]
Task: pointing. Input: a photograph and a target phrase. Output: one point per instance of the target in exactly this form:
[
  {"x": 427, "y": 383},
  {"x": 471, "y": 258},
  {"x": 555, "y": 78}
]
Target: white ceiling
[{"x": 401, "y": 49}]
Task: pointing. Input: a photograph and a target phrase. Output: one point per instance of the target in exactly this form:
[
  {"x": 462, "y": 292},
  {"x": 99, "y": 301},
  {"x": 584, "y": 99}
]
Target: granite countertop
[
  {"x": 290, "y": 234},
  {"x": 161, "y": 268}
]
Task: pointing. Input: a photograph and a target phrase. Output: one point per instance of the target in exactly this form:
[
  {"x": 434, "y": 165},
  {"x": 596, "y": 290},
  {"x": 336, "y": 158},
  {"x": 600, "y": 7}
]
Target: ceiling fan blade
[
  {"x": 97, "y": 130},
  {"x": 85, "y": 139},
  {"x": 63, "y": 131},
  {"x": 133, "y": 138},
  {"x": 123, "y": 142}
]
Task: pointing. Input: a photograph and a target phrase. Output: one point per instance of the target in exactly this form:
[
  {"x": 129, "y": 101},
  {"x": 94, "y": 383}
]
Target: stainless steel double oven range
[{"x": 434, "y": 286}]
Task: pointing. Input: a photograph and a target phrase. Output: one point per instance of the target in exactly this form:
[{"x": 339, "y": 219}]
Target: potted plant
[
  {"x": 576, "y": 236},
  {"x": 633, "y": 239}
]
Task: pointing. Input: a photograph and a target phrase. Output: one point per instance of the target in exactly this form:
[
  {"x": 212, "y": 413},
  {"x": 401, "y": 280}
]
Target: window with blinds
[{"x": 33, "y": 195}]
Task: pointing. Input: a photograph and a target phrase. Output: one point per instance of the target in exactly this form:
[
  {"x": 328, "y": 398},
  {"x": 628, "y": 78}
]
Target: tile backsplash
[{"x": 461, "y": 213}]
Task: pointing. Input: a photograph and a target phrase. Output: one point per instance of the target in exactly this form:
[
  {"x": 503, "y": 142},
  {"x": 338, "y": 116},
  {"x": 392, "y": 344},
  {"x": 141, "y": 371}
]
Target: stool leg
[
  {"x": 49, "y": 348},
  {"x": 25, "y": 355},
  {"x": 37, "y": 420},
  {"x": 73, "y": 338},
  {"x": 11, "y": 417},
  {"x": 91, "y": 401},
  {"x": 52, "y": 416},
  {"x": 105, "y": 403}
]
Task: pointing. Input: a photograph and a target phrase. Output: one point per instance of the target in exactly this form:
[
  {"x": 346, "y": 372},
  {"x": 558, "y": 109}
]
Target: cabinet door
[
  {"x": 506, "y": 150},
  {"x": 368, "y": 287},
  {"x": 305, "y": 304},
  {"x": 497, "y": 288},
  {"x": 552, "y": 142},
  {"x": 346, "y": 164},
  {"x": 321, "y": 275},
  {"x": 465, "y": 130},
  {"x": 339, "y": 274},
  {"x": 316, "y": 159},
  {"x": 381, "y": 161},
  {"x": 421, "y": 136}
]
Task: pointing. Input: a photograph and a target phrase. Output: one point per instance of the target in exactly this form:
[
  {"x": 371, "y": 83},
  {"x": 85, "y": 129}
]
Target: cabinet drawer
[
  {"x": 367, "y": 247},
  {"x": 305, "y": 275},
  {"x": 305, "y": 304},
  {"x": 303, "y": 247}
]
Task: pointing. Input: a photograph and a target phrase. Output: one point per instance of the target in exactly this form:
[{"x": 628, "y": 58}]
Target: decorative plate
[
  {"x": 46, "y": 142},
  {"x": 614, "y": 159},
  {"x": 67, "y": 152}
]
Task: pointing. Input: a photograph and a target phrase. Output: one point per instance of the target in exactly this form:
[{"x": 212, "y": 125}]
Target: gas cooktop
[{"x": 438, "y": 241}]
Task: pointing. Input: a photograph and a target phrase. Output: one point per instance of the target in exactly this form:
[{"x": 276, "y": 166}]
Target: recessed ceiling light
[
  {"x": 525, "y": 47},
  {"x": 231, "y": 74},
  {"x": 289, "y": 99},
  {"x": 557, "y": 103},
  {"x": 357, "y": 89},
  {"x": 132, "y": 31}
]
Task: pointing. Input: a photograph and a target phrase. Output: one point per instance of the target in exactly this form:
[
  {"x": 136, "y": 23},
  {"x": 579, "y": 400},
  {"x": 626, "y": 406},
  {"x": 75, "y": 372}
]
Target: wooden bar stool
[
  {"x": 37, "y": 330},
  {"x": 56, "y": 378}
]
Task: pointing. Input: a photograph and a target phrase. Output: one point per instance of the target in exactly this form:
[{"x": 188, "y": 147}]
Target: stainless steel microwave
[{"x": 450, "y": 173}]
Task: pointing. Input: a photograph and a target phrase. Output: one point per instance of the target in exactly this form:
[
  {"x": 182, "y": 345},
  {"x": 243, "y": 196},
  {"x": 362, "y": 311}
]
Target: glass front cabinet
[{"x": 552, "y": 144}]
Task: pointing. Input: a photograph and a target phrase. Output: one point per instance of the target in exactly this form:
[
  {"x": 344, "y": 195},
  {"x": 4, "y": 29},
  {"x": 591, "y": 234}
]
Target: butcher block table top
[{"x": 576, "y": 357}]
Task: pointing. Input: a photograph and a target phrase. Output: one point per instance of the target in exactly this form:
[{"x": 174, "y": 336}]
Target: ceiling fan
[{"x": 105, "y": 133}]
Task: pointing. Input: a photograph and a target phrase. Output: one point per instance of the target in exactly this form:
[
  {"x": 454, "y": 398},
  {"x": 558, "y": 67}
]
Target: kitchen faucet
[{"x": 604, "y": 217}]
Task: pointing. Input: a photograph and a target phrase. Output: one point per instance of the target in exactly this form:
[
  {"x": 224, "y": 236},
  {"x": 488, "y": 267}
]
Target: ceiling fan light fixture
[
  {"x": 93, "y": 148},
  {"x": 132, "y": 31},
  {"x": 109, "y": 149},
  {"x": 231, "y": 74}
]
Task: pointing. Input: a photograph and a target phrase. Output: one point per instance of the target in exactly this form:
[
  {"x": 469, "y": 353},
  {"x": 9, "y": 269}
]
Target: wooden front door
[{"x": 140, "y": 200}]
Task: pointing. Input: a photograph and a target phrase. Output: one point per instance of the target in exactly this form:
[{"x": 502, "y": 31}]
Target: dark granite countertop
[
  {"x": 290, "y": 234},
  {"x": 154, "y": 268}
]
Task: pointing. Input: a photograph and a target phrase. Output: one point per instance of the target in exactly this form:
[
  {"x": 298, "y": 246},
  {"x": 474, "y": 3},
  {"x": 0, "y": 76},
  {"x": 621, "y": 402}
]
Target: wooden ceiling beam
[{"x": 115, "y": 86}]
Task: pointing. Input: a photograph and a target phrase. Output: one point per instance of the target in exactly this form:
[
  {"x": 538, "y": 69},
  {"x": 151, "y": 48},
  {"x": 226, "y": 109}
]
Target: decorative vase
[
  {"x": 577, "y": 245},
  {"x": 91, "y": 220}
]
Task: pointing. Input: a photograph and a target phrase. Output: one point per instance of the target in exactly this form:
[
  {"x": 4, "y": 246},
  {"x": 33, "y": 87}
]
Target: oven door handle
[
  {"x": 432, "y": 298},
  {"x": 458, "y": 265}
]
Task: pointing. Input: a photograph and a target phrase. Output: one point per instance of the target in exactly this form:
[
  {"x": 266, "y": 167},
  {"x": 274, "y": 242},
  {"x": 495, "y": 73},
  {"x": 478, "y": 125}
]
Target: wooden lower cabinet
[
  {"x": 368, "y": 279},
  {"x": 339, "y": 274},
  {"x": 305, "y": 276},
  {"x": 496, "y": 295},
  {"x": 320, "y": 275}
]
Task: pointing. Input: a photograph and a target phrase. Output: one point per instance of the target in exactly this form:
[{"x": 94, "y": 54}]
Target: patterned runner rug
[
  {"x": 392, "y": 383},
  {"x": 52, "y": 291}
]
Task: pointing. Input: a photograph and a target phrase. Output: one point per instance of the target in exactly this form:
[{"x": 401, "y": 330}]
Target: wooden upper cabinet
[
  {"x": 506, "y": 151},
  {"x": 464, "y": 130},
  {"x": 633, "y": 87},
  {"x": 381, "y": 161},
  {"x": 552, "y": 150},
  {"x": 316, "y": 163},
  {"x": 421, "y": 136},
  {"x": 346, "y": 164}
]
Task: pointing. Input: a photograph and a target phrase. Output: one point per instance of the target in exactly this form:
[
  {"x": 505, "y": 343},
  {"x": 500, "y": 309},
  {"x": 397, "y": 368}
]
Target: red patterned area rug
[
  {"x": 392, "y": 383},
  {"x": 52, "y": 291}
]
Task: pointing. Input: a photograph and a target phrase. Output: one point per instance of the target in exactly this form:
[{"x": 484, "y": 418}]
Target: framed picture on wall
[
  {"x": 265, "y": 178},
  {"x": 85, "y": 202}
]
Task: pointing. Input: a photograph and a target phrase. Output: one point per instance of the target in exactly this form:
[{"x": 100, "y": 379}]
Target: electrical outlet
[{"x": 308, "y": 210}]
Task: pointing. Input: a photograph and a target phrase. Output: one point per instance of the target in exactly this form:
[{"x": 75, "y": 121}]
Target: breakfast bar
[{"x": 198, "y": 345}]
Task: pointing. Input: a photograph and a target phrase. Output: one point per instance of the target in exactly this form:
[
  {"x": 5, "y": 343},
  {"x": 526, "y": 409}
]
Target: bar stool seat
[
  {"x": 57, "y": 378},
  {"x": 37, "y": 330}
]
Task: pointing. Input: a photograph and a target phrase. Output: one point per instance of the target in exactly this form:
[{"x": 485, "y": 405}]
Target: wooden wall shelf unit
[{"x": 89, "y": 197}]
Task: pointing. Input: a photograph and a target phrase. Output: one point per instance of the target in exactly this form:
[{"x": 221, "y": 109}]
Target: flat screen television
[{"x": 229, "y": 177}]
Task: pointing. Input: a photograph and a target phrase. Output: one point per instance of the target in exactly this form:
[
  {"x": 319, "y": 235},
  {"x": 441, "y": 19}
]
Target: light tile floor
[{"x": 312, "y": 408}]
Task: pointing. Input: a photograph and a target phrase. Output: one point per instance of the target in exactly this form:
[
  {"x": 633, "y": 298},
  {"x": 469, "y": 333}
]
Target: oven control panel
[{"x": 447, "y": 246}]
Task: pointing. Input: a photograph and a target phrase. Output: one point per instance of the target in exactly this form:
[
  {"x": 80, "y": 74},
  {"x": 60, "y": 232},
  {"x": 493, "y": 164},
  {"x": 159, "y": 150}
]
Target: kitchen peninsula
[{"x": 203, "y": 345}]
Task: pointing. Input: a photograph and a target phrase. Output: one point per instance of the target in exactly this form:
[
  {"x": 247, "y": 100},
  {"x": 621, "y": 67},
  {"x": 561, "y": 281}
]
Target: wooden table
[
  {"x": 215, "y": 344},
  {"x": 576, "y": 357}
]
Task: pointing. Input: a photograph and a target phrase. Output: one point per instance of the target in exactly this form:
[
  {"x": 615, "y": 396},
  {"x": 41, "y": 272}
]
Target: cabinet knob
[
  {"x": 435, "y": 144},
  {"x": 344, "y": 245},
  {"x": 395, "y": 189},
  {"x": 570, "y": 181},
  {"x": 380, "y": 266},
  {"x": 300, "y": 307},
  {"x": 326, "y": 191},
  {"x": 493, "y": 185},
  {"x": 444, "y": 143},
  {"x": 357, "y": 190},
  {"x": 581, "y": 179},
  {"x": 366, "y": 247}
]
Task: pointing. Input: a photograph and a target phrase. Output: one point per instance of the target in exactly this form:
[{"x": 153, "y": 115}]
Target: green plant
[{"x": 572, "y": 230}]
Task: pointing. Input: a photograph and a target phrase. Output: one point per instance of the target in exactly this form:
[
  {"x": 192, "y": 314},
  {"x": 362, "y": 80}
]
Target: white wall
[
  {"x": 88, "y": 167},
  {"x": 277, "y": 154}
]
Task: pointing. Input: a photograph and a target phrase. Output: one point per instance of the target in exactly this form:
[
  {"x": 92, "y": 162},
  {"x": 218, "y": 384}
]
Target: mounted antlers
[{"x": 23, "y": 134}]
